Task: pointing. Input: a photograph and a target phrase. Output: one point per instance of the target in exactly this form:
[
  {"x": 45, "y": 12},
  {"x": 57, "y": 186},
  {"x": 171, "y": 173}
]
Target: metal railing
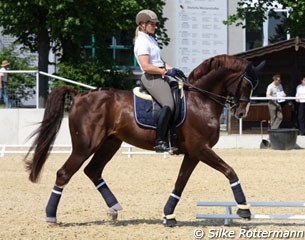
[
  {"x": 264, "y": 99},
  {"x": 38, "y": 73},
  {"x": 228, "y": 216}
]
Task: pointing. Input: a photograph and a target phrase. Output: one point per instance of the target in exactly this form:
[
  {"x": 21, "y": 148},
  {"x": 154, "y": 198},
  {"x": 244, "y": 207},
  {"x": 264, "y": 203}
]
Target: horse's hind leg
[
  {"x": 64, "y": 175},
  {"x": 186, "y": 169},
  {"x": 94, "y": 171},
  {"x": 214, "y": 161}
]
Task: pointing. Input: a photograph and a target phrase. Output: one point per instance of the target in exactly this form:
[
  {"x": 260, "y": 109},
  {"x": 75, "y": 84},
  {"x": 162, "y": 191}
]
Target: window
[
  {"x": 276, "y": 32},
  {"x": 254, "y": 38},
  {"x": 271, "y": 31},
  {"x": 121, "y": 49},
  {"x": 119, "y": 52}
]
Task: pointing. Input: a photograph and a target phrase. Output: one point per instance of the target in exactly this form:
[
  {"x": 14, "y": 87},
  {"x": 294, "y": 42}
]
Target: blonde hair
[{"x": 139, "y": 28}]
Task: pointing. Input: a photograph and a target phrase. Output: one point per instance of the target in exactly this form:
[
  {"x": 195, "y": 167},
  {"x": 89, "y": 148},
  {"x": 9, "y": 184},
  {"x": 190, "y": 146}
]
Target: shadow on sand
[{"x": 201, "y": 223}]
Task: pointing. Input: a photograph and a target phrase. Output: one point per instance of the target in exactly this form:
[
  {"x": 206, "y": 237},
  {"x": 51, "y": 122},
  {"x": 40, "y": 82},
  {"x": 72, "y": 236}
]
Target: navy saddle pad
[{"x": 143, "y": 110}]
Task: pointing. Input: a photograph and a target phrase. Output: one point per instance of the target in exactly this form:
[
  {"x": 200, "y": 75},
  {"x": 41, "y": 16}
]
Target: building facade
[{"x": 197, "y": 32}]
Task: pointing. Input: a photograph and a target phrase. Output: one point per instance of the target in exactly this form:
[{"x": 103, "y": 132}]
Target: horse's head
[
  {"x": 240, "y": 97},
  {"x": 228, "y": 79}
]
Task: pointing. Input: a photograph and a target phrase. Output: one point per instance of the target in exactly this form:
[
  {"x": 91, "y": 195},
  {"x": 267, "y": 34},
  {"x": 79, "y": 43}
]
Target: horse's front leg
[
  {"x": 186, "y": 169},
  {"x": 214, "y": 161}
]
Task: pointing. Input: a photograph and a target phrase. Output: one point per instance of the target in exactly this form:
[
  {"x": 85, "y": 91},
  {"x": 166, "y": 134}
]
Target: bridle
[
  {"x": 237, "y": 99},
  {"x": 232, "y": 101}
]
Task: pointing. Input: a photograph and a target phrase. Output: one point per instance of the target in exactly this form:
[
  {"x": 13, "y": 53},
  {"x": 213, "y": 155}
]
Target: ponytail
[
  {"x": 137, "y": 31},
  {"x": 139, "y": 28}
]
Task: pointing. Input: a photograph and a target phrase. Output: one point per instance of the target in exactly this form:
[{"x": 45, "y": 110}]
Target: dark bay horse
[{"x": 101, "y": 119}]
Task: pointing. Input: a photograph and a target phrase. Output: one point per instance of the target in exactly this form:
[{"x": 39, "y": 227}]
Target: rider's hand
[
  {"x": 175, "y": 72},
  {"x": 171, "y": 72},
  {"x": 181, "y": 75}
]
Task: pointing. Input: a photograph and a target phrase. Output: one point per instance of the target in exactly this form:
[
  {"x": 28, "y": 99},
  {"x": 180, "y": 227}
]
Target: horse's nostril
[{"x": 240, "y": 115}]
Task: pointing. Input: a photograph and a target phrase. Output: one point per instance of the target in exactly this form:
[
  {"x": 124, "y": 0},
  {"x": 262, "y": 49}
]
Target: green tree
[
  {"x": 66, "y": 25},
  {"x": 255, "y": 10},
  {"x": 20, "y": 85}
]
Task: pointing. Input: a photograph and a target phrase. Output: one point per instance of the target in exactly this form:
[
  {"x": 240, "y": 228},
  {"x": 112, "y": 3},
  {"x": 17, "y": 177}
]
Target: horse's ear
[{"x": 260, "y": 66}]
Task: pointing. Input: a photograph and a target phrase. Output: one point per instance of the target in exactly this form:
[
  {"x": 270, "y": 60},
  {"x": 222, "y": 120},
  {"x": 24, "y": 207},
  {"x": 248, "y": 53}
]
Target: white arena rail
[
  {"x": 131, "y": 152},
  {"x": 23, "y": 149},
  {"x": 264, "y": 99},
  {"x": 228, "y": 216}
]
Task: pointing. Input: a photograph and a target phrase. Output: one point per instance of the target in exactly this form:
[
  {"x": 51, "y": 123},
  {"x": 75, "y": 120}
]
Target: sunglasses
[{"x": 152, "y": 23}]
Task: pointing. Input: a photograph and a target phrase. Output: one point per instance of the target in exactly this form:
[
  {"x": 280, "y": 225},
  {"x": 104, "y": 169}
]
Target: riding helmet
[{"x": 146, "y": 16}]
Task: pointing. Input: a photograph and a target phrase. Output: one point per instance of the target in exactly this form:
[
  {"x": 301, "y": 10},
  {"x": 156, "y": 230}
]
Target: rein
[
  {"x": 220, "y": 99},
  {"x": 213, "y": 96}
]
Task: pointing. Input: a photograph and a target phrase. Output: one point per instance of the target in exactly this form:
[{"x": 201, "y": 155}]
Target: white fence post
[{"x": 37, "y": 90}]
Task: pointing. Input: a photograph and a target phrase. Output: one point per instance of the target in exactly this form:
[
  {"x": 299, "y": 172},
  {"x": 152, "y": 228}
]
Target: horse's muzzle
[
  {"x": 240, "y": 114},
  {"x": 242, "y": 110}
]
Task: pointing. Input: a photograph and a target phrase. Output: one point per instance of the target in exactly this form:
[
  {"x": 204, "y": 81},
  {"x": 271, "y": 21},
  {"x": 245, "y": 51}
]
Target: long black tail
[{"x": 47, "y": 131}]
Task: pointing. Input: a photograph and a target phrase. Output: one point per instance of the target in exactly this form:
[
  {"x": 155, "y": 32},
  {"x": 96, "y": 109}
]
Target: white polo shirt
[
  {"x": 3, "y": 75},
  {"x": 147, "y": 45},
  {"x": 301, "y": 92},
  {"x": 272, "y": 89}
]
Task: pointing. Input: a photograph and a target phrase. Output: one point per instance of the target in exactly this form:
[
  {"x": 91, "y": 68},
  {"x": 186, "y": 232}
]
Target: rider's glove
[
  {"x": 175, "y": 72},
  {"x": 171, "y": 72},
  {"x": 181, "y": 75}
]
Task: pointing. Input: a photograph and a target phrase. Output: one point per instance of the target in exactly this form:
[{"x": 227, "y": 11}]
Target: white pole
[
  {"x": 67, "y": 80},
  {"x": 37, "y": 89}
]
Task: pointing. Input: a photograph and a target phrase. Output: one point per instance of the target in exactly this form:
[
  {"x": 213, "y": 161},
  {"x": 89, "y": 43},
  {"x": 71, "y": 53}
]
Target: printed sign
[{"x": 201, "y": 33}]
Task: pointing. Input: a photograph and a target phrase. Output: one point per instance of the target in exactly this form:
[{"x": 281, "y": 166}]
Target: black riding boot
[
  {"x": 173, "y": 149},
  {"x": 162, "y": 126}
]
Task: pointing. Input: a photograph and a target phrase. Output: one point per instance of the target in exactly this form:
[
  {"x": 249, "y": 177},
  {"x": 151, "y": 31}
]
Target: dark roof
[{"x": 294, "y": 43}]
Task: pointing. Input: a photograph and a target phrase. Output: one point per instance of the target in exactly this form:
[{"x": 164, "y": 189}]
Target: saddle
[{"x": 147, "y": 109}]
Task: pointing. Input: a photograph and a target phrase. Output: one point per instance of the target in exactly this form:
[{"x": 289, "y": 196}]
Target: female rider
[{"x": 156, "y": 74}]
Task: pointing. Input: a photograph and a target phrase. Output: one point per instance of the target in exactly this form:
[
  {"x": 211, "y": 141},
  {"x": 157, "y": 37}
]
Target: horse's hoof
[
  {"x": 169, "y": 220},
  {"x": 244, "y": 213},
  {"x": 173, "y": 151},
  {"x": 51, "y": 219},
  {"x": 112, "y": 214}
]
